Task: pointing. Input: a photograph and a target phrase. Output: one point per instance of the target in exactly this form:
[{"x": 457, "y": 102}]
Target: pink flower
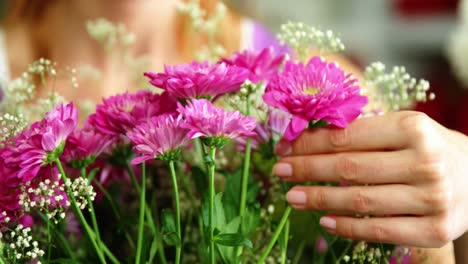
[
  {"x": 208, "y": 122},
  {"x": 11, "y": 209},
  {"x": 85, "y": 144},
  {"x": 277, "y": 123},
  {"x": 60, "y": 123},
  {"x": 159, "y": 137},
  {"x": 313, "y": 92},
  {"x": 199, "y": 79},
  {"x": 263, "y": 135},
  {"x": 261, "y": 65},
  {"x": 42, "y": 143},
  {"x": 121, "y": 113},
  {"x": 321, "y": 245}
]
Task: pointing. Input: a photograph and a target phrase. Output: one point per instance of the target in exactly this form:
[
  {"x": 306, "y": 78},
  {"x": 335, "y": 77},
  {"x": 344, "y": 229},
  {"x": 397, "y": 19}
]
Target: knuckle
[
  {"x": 439, "y": 198},
  {"x": 347, "y": 169},
  {"x": 414, "y": 124},
  {"x": 361, "y": 202},
  {"x": 320, "y": 199},
  {"x": 440, "y": 232},
  {"x": 379, "y": 233},
  {"x": 339, "y": 138},
  {"x": 303, "y": 169},
  {"x": 431, "y": 169},
  {"x": 348, "y": 231}
]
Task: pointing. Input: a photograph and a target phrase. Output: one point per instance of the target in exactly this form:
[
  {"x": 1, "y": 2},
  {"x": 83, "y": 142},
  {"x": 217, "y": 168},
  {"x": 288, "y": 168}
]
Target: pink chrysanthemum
[
  {"x": 41, "y": 143},
  {"x": 208, "y": 122},
  {"x": 277, "y": 123},
  {"x": 261, "y": 65},
  {"x": 199, "y": 79},
  {"x": 263, "y": 135},
  {"x": 160, "y": 137},
  {"x": 85, "y": 144},
  {"x": 121, "y": 113},
  {"x": 60, "y": 123},
  {"x": 9, "y": 195},
  {"x": 313, "y": 92}
]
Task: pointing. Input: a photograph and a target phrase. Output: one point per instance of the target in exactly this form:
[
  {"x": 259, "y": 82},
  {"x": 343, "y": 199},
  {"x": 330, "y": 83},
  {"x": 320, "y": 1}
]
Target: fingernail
[
  {"x": 282, "y": 170},
  {"x": 297, "y": 198},
  {"x": 328, "y": 223},
  {"x": 283, "y": 148}
]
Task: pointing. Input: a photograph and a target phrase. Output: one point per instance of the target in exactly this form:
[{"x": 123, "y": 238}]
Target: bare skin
[
  {"x": 62, "y": 35},
  {"x": 404, "y": 168}
]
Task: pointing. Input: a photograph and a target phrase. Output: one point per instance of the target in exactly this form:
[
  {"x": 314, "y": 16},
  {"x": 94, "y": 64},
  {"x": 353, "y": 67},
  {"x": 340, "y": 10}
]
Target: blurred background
[{"x": 412, "y": 33}]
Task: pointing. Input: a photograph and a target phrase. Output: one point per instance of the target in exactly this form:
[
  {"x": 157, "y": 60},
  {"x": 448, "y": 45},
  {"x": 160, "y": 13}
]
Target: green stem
[
  {"x": 175, "y": 189},
  {"x": 299, "y": 251},
  {"x": 114, "y": 210},
  {"x": 284, "y": 248},
  {"x": 246, "y": 168},
  {"x": 277, "y": 233},
  {"x": 49, "y": 242},
  {"x": 79, "y": 214},
  {"x": 211, "y": 173},
  {"x": 245, "y": 178},
  {"x": 148, "y": 214},
  {"x": 63, "y": 242},
  {"x": 200, "y": 149},
  {"x": 141, "y": 222},
  {"x": 109, "y": 254},
  {"x": 91, "y": 209},
  {"x": 244, "y": 182},
  {"x": 344, "y": 252},
  {"x": 133, "y": 178}
]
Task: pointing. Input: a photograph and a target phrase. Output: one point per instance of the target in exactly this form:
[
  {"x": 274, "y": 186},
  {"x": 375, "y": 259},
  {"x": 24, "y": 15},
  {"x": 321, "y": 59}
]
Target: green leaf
[
  {"x": 232, "y": 190},
  {"x": 251, "y": 220},
  {"x": 232, "y": 240},
  {"x": 168, "y": 221},
  {"x": 201, "y": 179},
  {"x": 233, "y": 226},
  {"x": 92, "y": 174},
  {"x": 153, "y": 249},
  {"x": 317, "y": 124},
  {"x": 172, "y": 239},
  {"x": 219, "y": 218}
]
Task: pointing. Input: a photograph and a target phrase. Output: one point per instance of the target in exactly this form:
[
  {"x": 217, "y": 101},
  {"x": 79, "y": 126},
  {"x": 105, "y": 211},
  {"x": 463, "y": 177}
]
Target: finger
[
  {"x": 407, "y": 231},
  {"x": 395, "y": 199},
  {"x": 370, "y": 133},
  {"x": 350, "y": 167}
]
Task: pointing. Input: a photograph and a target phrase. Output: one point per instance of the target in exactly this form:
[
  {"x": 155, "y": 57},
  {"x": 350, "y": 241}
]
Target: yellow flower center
[{"x": 311, "y": 91}]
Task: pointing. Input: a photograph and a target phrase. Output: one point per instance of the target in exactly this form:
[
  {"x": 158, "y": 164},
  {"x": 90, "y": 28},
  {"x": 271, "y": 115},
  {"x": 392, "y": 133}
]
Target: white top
[
  {"x": 4, "y": 68},
  {"x": 246, "y": 42}
]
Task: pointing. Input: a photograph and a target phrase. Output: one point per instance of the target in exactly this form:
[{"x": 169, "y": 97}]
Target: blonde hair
[{"x": 31, "y": 12}]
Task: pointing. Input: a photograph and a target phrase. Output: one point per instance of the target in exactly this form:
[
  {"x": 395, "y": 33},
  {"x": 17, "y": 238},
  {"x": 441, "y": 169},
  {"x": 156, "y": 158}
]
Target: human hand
[{"x": 406, "y": 170}]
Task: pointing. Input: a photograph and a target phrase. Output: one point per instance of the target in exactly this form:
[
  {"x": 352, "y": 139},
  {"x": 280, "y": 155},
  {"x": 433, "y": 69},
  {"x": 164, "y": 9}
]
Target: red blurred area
[
  {"x": 450, "y": 108},
  {"x": 425, "y": 7}
]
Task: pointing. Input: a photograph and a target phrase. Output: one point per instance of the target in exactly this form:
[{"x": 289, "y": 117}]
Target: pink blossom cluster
[{"x": 158, "y": 125}]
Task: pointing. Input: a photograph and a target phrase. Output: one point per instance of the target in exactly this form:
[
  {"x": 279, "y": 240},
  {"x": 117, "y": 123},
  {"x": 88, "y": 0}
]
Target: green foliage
[
  {"x": 232, "y": 240},
  {"x": 169, "y": 230}
]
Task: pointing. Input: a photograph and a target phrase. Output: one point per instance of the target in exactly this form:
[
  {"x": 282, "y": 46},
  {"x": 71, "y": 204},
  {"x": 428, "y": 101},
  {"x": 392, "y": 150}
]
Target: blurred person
[{"x": 418, "y": 169}]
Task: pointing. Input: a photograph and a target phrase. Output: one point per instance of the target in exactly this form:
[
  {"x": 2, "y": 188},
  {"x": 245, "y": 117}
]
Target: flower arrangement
[{"x": 182, "y": 173}]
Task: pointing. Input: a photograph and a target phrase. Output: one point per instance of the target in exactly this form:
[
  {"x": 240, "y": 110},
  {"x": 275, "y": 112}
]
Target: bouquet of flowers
[{"x": 182, "y": 173}]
